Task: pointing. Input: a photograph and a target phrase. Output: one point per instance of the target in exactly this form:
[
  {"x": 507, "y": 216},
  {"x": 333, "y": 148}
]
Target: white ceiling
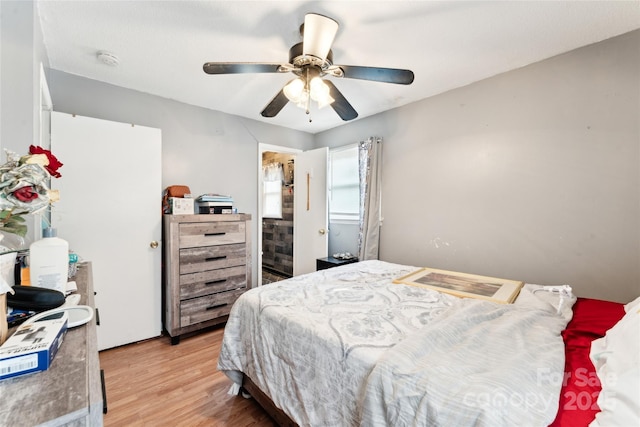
[{"x": 162, "y": 45}]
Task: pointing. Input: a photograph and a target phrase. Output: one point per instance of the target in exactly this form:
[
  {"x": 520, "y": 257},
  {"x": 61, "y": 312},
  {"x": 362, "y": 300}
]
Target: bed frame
[{"x": 263, "y": 400}]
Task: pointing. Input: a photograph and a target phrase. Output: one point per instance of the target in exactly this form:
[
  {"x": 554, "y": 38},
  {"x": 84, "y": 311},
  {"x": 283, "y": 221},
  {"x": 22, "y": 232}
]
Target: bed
[{"x": 348, "y": 347}]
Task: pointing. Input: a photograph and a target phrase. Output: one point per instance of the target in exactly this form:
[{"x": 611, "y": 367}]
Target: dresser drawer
[
  {"x": 208, "y": 307},
  {"x": 211, "y": 257},
  {"x": 212, "y": 281},
  {"x": 193, "y": 235}
]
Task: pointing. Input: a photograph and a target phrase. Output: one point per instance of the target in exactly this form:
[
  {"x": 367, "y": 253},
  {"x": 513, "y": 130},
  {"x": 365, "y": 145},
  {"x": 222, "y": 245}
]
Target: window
[
  {"x": 272, "y": 191},
  {"x": 272, "y": 199},
  {"x": 344, "y": 201}
]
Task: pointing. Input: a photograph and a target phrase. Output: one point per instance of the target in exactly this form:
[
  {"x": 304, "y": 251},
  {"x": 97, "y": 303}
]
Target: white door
[
  {"x": 310, "y": 213},
  {"x": 110, "y": 213}
]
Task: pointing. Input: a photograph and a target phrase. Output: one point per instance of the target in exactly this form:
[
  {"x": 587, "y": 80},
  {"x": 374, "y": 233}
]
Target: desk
[
  {"x": 329, "y": 262},
  {"x": 69, "y": 393}
]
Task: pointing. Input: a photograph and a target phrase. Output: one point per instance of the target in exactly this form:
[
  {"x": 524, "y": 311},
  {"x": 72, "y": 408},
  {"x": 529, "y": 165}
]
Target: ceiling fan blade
[
  {"x": 239, "y": 67},
  {"x": 277, "y": 103},
  {"x": 376, "y": 74},
  {"x": 341, "y": 105},
  {"x": 318, "y": 34}
]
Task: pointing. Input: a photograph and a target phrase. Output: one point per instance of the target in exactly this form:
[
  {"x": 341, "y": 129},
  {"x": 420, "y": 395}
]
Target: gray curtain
[{"x": 370, "y": 164}]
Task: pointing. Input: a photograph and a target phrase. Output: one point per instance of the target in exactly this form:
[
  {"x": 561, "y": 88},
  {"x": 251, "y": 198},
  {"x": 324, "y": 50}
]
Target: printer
[{"x": 214, "y": 204}]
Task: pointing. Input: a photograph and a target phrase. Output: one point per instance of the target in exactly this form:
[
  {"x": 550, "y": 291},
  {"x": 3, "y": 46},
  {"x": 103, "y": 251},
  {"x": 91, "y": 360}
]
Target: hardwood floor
[{"x": 153, "y": 383}]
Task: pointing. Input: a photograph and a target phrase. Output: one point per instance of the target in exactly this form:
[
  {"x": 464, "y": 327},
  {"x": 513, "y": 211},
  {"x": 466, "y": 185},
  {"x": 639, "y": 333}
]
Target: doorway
[
  {"x": 310, "y": 213},
  {"x": 277, "y": 216},
  {"x": 268, "y": 272}
]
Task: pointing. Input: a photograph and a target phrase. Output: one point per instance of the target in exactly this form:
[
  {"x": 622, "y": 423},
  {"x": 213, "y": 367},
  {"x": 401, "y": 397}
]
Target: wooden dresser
[
  {"x": 70, "y": 392},
  {"x": 207, "y": 266}
]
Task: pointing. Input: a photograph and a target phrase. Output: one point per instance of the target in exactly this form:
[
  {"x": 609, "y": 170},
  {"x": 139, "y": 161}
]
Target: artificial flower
[
  {"x": 54, "y": 163},
  {"x": 24, "y": 187},
  {"x": 35, "y": 159},
  {"x": 54, "y": 195},
  {"x": 25, "y": 194}
]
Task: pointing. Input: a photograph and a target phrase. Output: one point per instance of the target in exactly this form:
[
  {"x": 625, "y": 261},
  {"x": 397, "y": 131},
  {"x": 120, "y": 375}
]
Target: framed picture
[{"x": 464, "y": 285}]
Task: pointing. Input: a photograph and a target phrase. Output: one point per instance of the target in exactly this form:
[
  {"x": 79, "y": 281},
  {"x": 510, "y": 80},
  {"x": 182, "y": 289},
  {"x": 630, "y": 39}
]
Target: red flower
[
  {"x": 54, "y": 163},
  {"x": 25, "y": 194}
]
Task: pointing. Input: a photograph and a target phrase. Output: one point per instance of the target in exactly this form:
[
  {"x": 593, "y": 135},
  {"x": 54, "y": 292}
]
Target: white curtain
[
  {"x": 273, "y": 172},
  {"x": 273, "y": 176},
  {"x": 370, "y": 164}
]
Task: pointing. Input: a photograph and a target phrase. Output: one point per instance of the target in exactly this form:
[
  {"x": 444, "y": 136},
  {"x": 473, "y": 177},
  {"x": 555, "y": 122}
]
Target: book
[
  {"x": 464, "y": 285},
  {"x": 215, "y": 203},
  {"x": 32, "y": 347},
  {"x": 214, "y": 198}
]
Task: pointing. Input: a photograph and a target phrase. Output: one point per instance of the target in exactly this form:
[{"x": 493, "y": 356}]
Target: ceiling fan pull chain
[{"x": 307, "y": 88}]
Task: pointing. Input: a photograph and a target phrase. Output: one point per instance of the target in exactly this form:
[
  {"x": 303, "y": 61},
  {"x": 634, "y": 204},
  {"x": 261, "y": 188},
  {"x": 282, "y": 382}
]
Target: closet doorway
[
  {"x": 277, "y": 216},
  {"x": 268, "y": 269},
  {"x": 293, "y": 235}
]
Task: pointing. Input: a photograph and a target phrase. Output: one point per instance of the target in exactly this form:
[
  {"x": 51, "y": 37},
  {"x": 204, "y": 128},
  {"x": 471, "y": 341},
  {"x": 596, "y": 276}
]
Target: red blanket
[{"x": 591, "y": 320}]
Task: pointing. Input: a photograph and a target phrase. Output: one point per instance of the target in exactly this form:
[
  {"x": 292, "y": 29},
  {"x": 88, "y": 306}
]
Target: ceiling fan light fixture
[
  {"x": 320, "y": 92},
  {"x": 317, "y": 88},
  {"x": 294, "y": 89},
  {"x": 323, "y": 102},
  {"x": 319, "y": 32},
  {"x": 303, "y": 100},
  {"x": 298, "y": 92}
]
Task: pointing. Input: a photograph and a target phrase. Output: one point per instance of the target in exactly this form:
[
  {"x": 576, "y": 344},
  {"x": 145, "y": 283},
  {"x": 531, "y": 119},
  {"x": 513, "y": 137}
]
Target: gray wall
[
  {"x": 343, "y": 238},
  {"x": 530, "y": 175},
  {"x": 207, "y": 150},
  {"x": 21, "y": 52}
]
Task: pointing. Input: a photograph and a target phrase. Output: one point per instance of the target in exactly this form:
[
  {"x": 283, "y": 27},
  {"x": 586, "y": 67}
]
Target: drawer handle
[
  {"x": 104, "y": 392},
  {"x": 215, "y": 234},
  {"x": 213, "y": 307},
  {"x": 215, "y": 258},
  {"x": 215, "y": 282}
]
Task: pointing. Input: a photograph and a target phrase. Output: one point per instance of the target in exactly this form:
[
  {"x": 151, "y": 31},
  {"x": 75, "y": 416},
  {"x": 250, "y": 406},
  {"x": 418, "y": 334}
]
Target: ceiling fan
[{"x": 310, "y": 61}]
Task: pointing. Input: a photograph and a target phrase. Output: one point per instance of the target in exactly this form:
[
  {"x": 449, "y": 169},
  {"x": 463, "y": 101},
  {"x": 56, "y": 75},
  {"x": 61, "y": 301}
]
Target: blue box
[{"x": 32, "y": 347}]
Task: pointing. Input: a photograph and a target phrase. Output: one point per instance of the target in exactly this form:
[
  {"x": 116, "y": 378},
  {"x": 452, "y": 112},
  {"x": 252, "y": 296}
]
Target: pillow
[
  {"x": 559, "y": 298},
  {"x": 616, "y": 357},
  {"x": 633, "y": 305}
]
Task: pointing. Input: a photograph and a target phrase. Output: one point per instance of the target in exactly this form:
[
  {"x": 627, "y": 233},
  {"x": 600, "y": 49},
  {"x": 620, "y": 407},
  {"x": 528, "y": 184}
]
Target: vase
[{"x": 7, "y": 280}]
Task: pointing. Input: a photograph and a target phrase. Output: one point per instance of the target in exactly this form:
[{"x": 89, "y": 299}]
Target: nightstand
[{"x": 329, "y": 262}]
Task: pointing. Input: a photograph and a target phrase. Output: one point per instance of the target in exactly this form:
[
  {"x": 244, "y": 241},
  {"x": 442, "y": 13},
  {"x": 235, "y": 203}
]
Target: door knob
[
  {"x": 322, "y": 231},
  {"x": 153, "y": 244}
]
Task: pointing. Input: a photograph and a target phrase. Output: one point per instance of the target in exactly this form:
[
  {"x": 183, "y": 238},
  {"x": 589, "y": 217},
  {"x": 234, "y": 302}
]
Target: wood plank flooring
[{"x": 153, "y": 383}]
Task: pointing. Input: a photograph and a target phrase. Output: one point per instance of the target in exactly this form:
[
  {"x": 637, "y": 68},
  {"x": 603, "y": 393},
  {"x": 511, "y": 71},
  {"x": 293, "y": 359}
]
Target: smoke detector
[{"x": 108, "y": 58}]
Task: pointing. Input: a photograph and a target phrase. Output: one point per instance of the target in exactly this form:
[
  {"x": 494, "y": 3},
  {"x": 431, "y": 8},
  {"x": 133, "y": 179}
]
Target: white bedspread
[
  {"x": 478, "y": 364},
  {"x": 347, "y": 347}
]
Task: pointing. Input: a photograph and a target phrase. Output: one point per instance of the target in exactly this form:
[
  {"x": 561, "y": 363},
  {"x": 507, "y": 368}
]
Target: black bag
[{"x": 33, "y": 298}]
